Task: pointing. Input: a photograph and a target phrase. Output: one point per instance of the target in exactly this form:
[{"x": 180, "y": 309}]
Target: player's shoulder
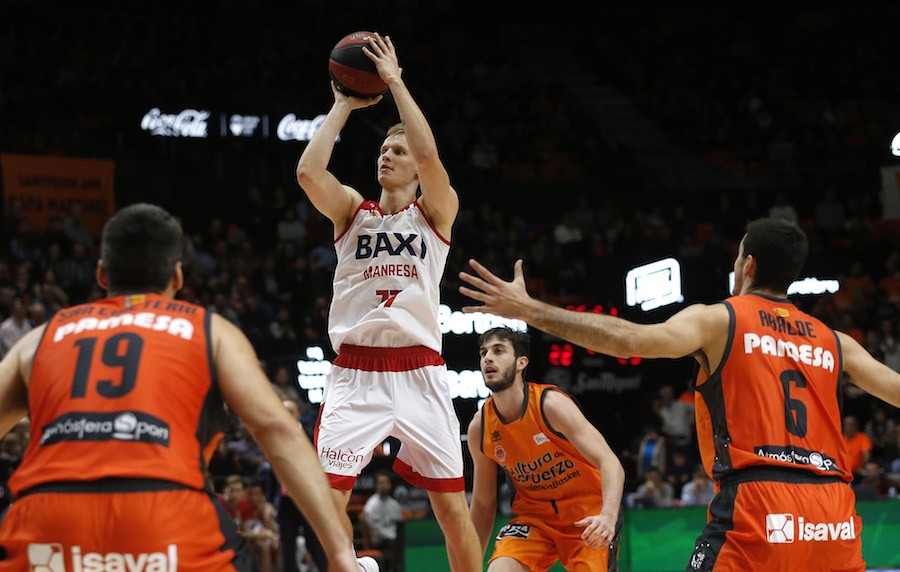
[
  {"x": 475, "y": 424},
  {"x": 554, "y": 397},
  {"x": 709, "y": 318}
]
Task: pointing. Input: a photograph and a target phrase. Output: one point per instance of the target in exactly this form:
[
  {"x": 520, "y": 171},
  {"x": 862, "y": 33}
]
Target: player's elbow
[
  {"x": 617, "y": 469},
  {"x": 631, "y": 345},
  {"x": 305, "y": 175},
  {"x": 427, "y": 154},
  {"x": 274, "y": 432}
]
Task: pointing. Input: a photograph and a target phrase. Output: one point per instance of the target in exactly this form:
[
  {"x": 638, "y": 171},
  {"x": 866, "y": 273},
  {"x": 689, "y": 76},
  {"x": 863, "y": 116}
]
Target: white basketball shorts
[{"x": 372, "y": 393}]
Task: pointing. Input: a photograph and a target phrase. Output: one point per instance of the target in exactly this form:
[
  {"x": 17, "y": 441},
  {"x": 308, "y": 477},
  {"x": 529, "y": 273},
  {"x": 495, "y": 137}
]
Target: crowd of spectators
[{"x": 279, "y": 295}]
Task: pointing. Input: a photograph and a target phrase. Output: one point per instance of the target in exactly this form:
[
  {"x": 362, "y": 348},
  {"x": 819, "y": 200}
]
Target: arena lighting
[
  {"x": 806, "y": 286},
  {"x": 654, "y": 285},
  {"x": 311, "y": 373},
  {"x": 895, "y": 146},
  {"x": 456, "y": 322}
]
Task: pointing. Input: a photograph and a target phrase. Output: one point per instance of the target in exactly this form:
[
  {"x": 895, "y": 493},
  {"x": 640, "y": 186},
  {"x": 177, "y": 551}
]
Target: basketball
[{"x": 354, "y": 74}]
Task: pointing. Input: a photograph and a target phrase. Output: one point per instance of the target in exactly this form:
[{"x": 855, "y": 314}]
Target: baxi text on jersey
[
  {"x": 148, "y": 320},
  {"x": 775, "y": 347},
  {"x": 390, "y": 244}
]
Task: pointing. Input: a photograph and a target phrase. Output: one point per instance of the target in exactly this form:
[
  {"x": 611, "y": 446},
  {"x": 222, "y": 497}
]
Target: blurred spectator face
[
  {"x": 383, "y": 485},
  {"x": 700, "y": 476},
  {"x": 851, "y": 426},
  {"x": 872, "y": 469},
  {"x": 255, "y": 496},
  {"x": 667, "y": 394},
  {"x": 13, "y": 445},
  {"x": 282, "y": 377},
  {"x": 38, "y": 314},
  {"x": 234, "y": 492},
  {"x": 19, "y": 312}
]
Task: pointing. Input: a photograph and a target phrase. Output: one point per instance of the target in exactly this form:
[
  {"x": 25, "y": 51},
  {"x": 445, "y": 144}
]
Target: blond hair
[{"x": 396, "y": 129}]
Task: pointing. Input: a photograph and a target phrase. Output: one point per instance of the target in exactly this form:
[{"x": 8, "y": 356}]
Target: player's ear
[
  {"x": 178, "y": 277},
  {"x": 749, "y": 268},
  {"x": 102, "y": 279},
  {"x": 521, "y": 363}
]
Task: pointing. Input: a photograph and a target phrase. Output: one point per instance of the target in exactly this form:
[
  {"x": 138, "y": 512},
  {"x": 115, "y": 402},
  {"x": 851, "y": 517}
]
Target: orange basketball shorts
[
  {"x": 183, "y": 530},
  {"x": 538, "y": 546},
  {"x": 778, "y": 519}
]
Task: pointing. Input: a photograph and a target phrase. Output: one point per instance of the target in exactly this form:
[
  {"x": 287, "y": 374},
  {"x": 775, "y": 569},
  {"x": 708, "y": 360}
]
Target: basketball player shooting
[{"x": 389, "y": 378}]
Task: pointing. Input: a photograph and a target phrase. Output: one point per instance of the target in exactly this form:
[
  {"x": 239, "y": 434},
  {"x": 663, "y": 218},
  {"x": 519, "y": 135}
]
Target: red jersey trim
[
  {"x": 450, "y": 485},
  {"x": 362, "y": 206},
  {"x": 430, "y": 224},
  {"x": 341, "y": 482},
  {"x": 315, "y": 438},
  {"x": 365, "y": 358}
]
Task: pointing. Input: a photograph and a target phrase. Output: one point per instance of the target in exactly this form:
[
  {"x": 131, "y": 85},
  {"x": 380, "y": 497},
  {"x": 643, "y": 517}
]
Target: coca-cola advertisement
[
  {"x": 194, "y": 123},
  {"x": 292, "y": 128},
  {"x": 185, "y": 123}
]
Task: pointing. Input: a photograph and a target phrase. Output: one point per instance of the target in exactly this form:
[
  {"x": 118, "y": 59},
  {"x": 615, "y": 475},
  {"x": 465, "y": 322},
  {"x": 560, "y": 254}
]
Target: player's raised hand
[
  {"x": 382, "y": 52},
  {"x": 353, "y": 102},
  {"x": 599, "y": 530},
  {"x": 499, "y": 297}
]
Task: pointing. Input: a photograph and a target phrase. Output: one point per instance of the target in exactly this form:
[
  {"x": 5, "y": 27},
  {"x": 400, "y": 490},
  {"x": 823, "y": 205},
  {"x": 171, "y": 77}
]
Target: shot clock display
[{"x": 565, "y": 354}]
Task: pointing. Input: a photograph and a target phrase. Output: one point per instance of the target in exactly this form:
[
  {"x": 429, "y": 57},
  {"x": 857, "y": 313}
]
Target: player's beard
[{"x": 505, "y": 380}]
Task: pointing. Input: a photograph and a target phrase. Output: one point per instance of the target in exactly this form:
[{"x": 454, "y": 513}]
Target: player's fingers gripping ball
[{"x": 353, "y": 73}]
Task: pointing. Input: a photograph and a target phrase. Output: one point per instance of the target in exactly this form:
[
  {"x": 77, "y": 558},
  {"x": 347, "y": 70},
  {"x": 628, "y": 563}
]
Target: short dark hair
[
  {"x": 779, "y": 248},
  {"x": 139, "y": 248},
  {"x": 520, "y": 341}
]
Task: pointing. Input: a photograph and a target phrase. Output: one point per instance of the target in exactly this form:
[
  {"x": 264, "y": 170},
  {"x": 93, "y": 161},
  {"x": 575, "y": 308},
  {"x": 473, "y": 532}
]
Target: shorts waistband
[
  {"x": 367, "y": 358},
  {"x": 110, "y": 485},
  {"x": 780, "y": 474}
]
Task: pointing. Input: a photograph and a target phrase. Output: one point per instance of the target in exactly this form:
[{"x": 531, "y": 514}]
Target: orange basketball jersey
[
  {"x": 553, "y": 481},
  {"x": 775, "y": 399},
  {"x": 123, "y": 388}
]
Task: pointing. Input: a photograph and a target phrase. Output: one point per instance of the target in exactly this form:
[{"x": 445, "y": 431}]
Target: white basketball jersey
[{"x": 387, "y": 280}]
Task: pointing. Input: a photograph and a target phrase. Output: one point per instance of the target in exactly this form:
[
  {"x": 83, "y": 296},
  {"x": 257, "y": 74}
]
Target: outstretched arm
[
  {"x": 483, "y": 509},
  {"x": 868, "y": 373},
  {"x": 565, "y": 417},
  {"x": 248, "y": 392},
  {"x": 686, "y": 332},
  {"x": 15, "y": 369},
  {"x": 439, "y": 200},
  {"x": 336, "y": 201}
]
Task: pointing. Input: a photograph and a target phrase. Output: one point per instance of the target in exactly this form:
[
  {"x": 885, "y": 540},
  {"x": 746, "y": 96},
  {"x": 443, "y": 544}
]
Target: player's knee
[{"x": 451, "y": 515}]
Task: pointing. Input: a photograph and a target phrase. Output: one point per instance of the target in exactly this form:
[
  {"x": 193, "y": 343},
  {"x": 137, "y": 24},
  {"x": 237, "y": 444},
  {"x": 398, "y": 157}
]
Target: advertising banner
[{"x": 41, "y": 187}]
